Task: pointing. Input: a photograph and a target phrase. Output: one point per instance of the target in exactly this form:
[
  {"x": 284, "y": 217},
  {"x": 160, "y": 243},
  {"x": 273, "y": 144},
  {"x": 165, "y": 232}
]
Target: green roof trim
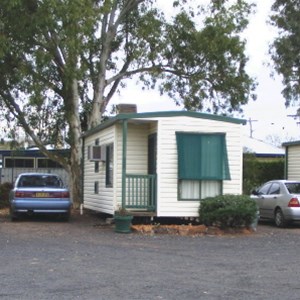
[
  {"x": 294, "y": 143},
  {"x": 162, "y": 114}
]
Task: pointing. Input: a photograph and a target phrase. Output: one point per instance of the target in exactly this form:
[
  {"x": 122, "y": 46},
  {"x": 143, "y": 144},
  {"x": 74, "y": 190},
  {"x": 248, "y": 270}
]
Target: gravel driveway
[{"x": 85, "y": 259}]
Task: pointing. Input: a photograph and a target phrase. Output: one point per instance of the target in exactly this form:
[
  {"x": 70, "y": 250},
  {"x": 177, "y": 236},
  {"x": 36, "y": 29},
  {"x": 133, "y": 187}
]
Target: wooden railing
[{"x": 141, "y": 192}]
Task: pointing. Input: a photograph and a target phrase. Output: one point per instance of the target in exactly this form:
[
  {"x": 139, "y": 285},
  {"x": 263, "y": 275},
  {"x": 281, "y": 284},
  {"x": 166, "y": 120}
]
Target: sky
[{"x": 268, "y": 113}]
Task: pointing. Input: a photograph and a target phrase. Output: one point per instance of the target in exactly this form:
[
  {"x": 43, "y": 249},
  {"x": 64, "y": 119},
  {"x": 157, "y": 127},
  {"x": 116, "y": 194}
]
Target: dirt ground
[
  {"x": 98, "y": 220},
  {"x": 49, "y": 259}
]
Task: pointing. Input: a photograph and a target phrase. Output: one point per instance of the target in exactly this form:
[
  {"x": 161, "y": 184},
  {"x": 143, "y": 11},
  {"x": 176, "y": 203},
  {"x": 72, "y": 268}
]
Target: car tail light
[
  {"x": 24, "y": 194},
  {"x": 59, "y": 195},
  {"x": 294, "y": 202},
  {"x": 64, "y": 195}
]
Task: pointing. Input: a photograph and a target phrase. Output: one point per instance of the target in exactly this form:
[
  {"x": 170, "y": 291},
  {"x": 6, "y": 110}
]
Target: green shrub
[
  {"x": 257, "y": 171},
  {"x": 4, "y": 194},
  {"x": 228, "y": 211}
]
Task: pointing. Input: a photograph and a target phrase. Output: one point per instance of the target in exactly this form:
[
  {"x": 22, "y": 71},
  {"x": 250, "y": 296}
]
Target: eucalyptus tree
[
  {"x": 62, "y": 61},
  {"x": 285, "y": 49}
]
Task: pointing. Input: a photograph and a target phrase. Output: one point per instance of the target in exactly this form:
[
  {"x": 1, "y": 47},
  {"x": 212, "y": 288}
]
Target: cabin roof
[
  {"x": 261, "y": 148},
  {"x": 162, "y": 114}
]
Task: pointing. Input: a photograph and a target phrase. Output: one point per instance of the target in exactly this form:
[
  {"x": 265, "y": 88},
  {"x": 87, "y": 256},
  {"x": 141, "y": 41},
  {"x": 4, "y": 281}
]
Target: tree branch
[
  {"x": 15, "y": 110},
  {"x": 121, "y": 75},
  {"x": 115, "y": 85}
]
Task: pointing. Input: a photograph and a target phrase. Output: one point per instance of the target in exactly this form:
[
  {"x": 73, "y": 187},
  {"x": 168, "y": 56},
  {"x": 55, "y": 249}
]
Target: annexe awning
[{"x": 202, "y": 156}]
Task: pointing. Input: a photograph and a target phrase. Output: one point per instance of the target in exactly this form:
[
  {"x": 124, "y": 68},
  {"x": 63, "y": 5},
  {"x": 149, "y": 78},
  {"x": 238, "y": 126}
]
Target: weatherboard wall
[
  {"x": 293, "y": 162},
  {"x": 138, "y": 131},
  {"x": 108, "y": 199},
  {"x": 102, "y": 200},
  {"x": 167, "y": 183}
]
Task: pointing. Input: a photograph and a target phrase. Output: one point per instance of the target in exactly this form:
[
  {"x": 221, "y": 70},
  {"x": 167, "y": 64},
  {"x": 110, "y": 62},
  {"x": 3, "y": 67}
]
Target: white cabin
[{"x": 161, "y": 163}]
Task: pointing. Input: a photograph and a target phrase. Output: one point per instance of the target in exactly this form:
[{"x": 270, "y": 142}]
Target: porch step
[{"x": 139, "y": 213}]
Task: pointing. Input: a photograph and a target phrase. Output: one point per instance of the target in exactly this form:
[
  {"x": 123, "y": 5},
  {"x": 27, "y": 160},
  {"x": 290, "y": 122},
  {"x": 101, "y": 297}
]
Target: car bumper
[
  {"x": 292, "y": 213},
  {"x": 37, "y": 206}
]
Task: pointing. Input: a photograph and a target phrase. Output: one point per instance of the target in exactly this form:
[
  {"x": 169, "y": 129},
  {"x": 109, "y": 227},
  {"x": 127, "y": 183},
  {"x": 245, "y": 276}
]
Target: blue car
[{"x": 39, "y": 193}]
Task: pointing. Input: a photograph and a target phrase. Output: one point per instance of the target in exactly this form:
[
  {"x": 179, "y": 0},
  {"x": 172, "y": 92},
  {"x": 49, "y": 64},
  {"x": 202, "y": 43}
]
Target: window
[
  {"x": 19, "y": 163},
  {"x": 197, "y": 190},
  {"x": 293, "y": 188},
  {"x": 96, "y": 187},
  {"x": 40, "y": 181},
  {"x": 96, "y": 155},
  {"x": 47, "y": 163},
  {"x": 275, "y": 189},
  {"x": 109, "y": 165},
  {"x": 202, "y": 165},
  {"x": 96, "y": 167},
  {"x": 264, "y": 189},
  {"x": 202, "y": 156}
]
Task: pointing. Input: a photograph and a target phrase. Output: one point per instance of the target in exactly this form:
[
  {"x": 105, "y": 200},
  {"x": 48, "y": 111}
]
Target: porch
[{"x": 140, "y": 194}]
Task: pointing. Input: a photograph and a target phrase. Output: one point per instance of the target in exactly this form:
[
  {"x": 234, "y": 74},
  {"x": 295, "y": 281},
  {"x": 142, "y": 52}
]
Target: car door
[
  {"x": 270, "y": 199},
  {"x": 260, "y": 197}
]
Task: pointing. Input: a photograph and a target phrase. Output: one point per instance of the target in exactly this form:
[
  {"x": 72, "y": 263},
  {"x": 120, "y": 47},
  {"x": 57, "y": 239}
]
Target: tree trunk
[
  {"x": 75, "y": 180},
  {"x": 74, "y": 170}
]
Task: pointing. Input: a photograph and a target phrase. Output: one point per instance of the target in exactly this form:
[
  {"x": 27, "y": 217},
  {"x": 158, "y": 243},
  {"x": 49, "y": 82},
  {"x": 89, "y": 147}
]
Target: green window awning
[{"x": 202, "y": 156}]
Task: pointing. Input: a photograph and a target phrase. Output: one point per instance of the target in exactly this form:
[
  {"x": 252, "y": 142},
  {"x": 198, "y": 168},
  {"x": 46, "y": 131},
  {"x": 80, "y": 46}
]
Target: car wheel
[
  {"x": 13, "y": 216},
  {"x": 279, "y": 218},
  {"x": 67, "y": 216}
]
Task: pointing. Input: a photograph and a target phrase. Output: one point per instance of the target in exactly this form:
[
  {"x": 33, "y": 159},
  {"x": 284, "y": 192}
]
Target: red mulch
[{"x": 188, "y": 230}]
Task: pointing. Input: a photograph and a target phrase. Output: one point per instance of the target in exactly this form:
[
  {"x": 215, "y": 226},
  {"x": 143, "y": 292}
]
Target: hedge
[
  {"x": 228, "y": 211},
  {"x": 4, "y": 194},
  {"x": 257, "y": 171}
]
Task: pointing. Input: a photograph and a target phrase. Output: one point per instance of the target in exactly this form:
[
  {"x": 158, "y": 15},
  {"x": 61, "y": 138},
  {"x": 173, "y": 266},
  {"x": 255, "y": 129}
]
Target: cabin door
[{"x": 152, "y": 152}]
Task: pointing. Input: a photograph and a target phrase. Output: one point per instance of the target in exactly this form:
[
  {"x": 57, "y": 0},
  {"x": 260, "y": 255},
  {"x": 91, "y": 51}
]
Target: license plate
[{"x": 42, "y": 195}]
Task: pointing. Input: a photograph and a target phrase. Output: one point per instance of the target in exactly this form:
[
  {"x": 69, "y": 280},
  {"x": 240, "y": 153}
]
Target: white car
[{"x": 279, "y": 200}]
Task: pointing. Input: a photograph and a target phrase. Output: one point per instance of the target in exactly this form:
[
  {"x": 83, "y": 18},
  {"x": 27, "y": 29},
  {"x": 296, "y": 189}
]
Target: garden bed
[{"x": 188, "y": 230}]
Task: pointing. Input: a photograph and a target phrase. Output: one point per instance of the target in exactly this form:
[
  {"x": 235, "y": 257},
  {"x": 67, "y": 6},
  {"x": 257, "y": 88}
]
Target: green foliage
[
  {"x": 63, "y": 61},
  {"x": 122, "y": 211},
  {"x": 257, "y": 171},
  {"x": 213, "y": 58},
  {"x": 4, "y": 194},
  {"x": 228, "y": 211},
  {"x": 285, "y": 50},
  {"x": 55, "y": 43}
]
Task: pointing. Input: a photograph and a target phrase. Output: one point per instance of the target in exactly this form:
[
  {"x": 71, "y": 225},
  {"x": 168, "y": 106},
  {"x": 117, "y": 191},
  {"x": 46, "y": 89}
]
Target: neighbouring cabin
[
  {"x": 262, "y": 150},
  {"x": 261, "y": 162},
  {"x": 15, "y": 162},
  {"x": 161, "y": 163},
  {"x": 292, "y": 160}
]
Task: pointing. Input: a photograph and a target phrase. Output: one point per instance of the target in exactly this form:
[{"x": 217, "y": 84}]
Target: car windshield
[
  {"x": 39, "y": 181},
  {"x": 293, "y": 187}
]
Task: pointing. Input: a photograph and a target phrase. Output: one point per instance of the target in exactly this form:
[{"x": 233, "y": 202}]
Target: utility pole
[{"x": 250, "y": 121}]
